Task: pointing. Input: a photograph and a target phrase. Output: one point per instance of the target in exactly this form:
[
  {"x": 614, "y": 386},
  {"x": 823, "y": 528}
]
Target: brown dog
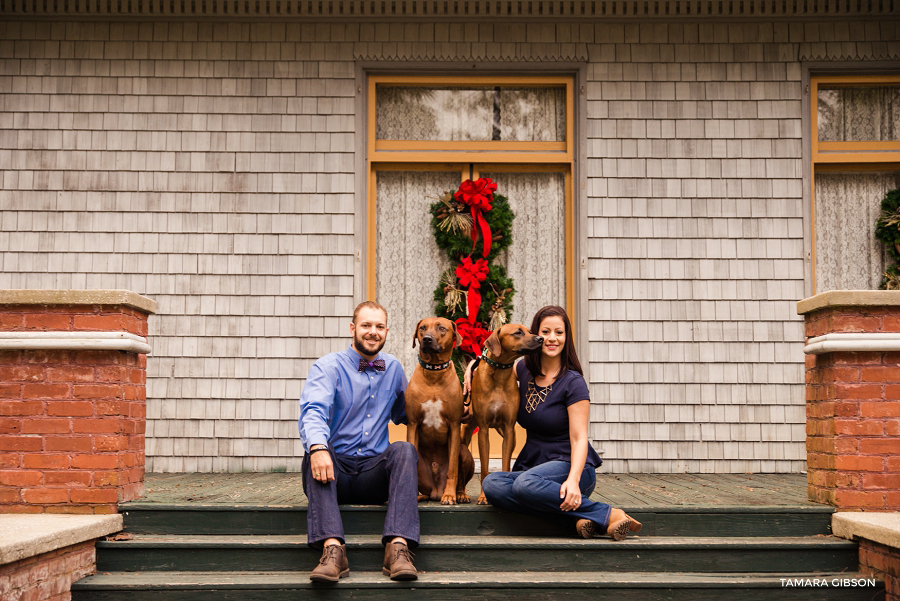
[
  {"x": 495, "y": 393},
  {"x": 434, "y": 408}
]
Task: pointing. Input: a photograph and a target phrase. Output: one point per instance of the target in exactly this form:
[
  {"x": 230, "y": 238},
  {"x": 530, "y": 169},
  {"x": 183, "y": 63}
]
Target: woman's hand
[{"x": 570, "y": 493}]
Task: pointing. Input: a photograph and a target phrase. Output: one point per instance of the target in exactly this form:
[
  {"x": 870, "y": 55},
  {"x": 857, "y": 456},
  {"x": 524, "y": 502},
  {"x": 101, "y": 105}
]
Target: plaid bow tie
[{"x": 377, "y": 364}]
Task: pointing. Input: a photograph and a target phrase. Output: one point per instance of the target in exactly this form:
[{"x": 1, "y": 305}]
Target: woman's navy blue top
[{"x": 548, "y": 425}]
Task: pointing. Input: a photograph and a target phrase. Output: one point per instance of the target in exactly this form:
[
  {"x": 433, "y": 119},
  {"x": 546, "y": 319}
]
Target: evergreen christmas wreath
[
  {"x": 473, "y": 225},
  {"x": 887, "y": 229}
]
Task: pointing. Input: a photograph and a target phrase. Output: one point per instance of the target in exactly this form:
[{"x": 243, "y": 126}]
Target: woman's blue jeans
[{"x": 536, "y": 492}]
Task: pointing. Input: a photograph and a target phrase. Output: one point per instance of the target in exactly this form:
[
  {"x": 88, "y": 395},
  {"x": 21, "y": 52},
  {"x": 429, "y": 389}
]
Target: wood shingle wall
[{"x": 210, "y": 166}]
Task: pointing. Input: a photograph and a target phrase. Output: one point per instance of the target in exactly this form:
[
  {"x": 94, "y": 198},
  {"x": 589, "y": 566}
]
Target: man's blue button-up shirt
[{"x": 349, "y": 409}]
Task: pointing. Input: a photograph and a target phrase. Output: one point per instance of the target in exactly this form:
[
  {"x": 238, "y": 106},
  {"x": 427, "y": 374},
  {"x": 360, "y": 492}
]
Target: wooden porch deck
[{"x": 619, "y": 490}]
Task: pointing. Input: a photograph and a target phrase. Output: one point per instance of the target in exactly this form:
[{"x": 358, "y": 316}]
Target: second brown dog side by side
[
  {"x": 495, "y": 394},
  {"x": 434, "y": 410}
]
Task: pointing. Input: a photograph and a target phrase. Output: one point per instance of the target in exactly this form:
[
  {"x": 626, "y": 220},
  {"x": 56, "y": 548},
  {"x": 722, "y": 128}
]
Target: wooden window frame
[
  {"x": 829, "y": 156},
  {"x": 436, "y": 155}
]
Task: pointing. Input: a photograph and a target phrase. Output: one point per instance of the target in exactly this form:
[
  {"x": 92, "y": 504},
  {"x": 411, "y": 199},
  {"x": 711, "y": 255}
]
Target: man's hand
[{"x": 321, "y": 466}]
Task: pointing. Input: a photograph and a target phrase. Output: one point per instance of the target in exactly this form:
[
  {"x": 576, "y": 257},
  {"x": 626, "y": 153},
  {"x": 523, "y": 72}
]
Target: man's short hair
[{"x": 369, "y": 305}]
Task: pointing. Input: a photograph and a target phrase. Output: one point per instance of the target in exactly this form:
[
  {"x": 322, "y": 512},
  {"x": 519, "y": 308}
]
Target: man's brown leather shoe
[
  {"x": 333, "y": 566},
  {"x": 398, "y": 562}
]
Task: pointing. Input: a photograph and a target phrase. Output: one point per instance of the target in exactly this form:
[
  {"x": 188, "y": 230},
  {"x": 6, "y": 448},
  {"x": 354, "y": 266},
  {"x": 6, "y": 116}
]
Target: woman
[{"x": 555, "y": 472}]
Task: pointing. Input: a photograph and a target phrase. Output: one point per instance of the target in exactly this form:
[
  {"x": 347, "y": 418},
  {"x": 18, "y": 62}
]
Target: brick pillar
[
  {"x": 853, "y": 399},
  {"x": 72, "y": 399}
]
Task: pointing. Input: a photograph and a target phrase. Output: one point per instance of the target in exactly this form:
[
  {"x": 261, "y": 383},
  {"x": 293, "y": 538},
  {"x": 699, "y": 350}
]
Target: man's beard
[{"x": 358, "y": 343}]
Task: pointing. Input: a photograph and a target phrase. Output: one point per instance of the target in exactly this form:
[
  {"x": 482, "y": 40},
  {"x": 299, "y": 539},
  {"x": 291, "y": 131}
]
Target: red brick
[
  {"x": 46, "y": 426},
  {"x": 106, "y": 478},
  {"x": 98, "y": 425},
  {"x": 867, "y": 358},
  {"x": 881, "y": 374},
  {"x": 21, "y": 443},
  {"x": 892, "y": 464},
  {"x": 69, "y": 443},
  {"x": 857, "y": 391},
  {"x": 859, "y": 464},
  {"x": 45, "y": 391},
  {"x": 892, "y": 427},
  {"x": 110, "y": 443},
  {"x": 22, "y": 509},
  {"x": 892, "y": 500},
  {"x": 100, "y": 322},
  {"x": 846, "y": 409},
  {"x": 70, "y": 373},
  {"x": 111, "y": 408},
  {"x": 21, "y": 478},
  {"x": 880, "y": 408},
  {"x": 880, "y": 446},
  {"x": 98, "y": 462},
  {"x": 97, "y": 391},
  {"x": 70, "y": 408},
  {"x": 68, "y": 477},
  {"x": 854, "y": 323},
  {"x": 44, "y": 321},
  {"x": 45, "y": 495},
  {"x": 24, "y": 373},
  {"x": 112, "y": 373},
  {"x": 95, "y": 495},
  {"x": 10, "y": 426},
  {"x": 45, "y": 461},
  {"x": 10, "y": 391},
  {"x": 11, "y": 321},
  {"x": 857, "y": 498},
  {"x": 9, "y": 495},
  {"x": 843, "y": 374},
  {"x": 881, "y": 481},
  {"x": 8, "y": 460},
  {"x": 21, "y": 407}
]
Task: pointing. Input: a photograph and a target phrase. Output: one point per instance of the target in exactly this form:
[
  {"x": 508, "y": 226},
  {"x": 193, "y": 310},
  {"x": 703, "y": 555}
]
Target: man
[{"x": 345, "y": 406}]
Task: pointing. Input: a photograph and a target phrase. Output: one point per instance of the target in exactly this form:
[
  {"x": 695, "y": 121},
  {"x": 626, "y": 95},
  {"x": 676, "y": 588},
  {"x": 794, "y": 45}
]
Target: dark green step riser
[
  {"x": 605, "y": 558},
  {"x": 476, "y": 522},
  {"x": 412, "y": 592}
]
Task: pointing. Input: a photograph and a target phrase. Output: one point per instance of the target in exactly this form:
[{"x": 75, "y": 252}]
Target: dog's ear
[
  {"x": 456, "y": 335},
  {"x": 493, "y": 343},
  {"x": 416, "y": 332}
]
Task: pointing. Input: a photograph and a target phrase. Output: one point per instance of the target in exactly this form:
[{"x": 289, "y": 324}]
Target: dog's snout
[
  {"x": 428, "y": 338},
  {"x": 539, "y": 339}
]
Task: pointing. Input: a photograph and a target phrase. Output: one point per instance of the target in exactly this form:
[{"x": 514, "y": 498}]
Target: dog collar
[
  {"x": 434, "y": 366},
  {"x": 494, "y": 364}
]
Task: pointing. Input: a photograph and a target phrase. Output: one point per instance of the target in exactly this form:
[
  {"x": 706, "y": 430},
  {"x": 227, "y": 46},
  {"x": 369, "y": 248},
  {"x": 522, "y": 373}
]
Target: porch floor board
[{"x": 628, "y": 490}]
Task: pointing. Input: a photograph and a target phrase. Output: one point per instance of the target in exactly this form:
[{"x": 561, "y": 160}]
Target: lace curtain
[
  {"x": 409, "y": 263},
  {"x": 848, "y": 256},
  {"x": 536, "y": 260},
  {"x": 859, "y": 113},
  {"x": 506, "y": 114}
]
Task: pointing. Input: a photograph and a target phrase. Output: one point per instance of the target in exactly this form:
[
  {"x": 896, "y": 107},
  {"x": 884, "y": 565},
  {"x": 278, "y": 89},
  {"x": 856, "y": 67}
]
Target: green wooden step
[
  {"x": 465, "y": 586},
  {"x": 487, "y": 554},
  {"x": 155, "y": 518}
]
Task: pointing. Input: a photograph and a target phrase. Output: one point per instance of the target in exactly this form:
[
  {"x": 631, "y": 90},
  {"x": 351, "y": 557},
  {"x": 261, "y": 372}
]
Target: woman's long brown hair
[{"x": 569, "y": 358}]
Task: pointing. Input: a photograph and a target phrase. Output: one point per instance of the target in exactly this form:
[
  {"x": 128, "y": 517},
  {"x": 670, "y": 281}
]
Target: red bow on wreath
[
  {"x": 470, "y": 276},
  {"x": 478, "y": 195},
  {"x": 473, "y": 336}
]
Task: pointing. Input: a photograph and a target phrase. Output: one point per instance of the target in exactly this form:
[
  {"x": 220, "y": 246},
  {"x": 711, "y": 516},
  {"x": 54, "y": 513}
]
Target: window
[{"x": 855, "y": 161}]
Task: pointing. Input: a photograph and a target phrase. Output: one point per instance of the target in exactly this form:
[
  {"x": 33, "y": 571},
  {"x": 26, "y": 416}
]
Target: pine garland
[
  {"x": 887, "y": 230},
  {"x": 451, "y": 222}
]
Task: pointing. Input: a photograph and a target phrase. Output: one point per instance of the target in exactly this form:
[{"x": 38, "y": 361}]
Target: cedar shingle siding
[{"x": 211, "y": 167}]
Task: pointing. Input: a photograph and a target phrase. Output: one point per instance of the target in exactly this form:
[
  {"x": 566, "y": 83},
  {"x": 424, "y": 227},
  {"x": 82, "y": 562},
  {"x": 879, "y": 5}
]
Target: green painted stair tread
[
  {"x": 437, "y": 507},
  {"x": 489, "y": 554},
  {"x": 357, "y": 579},
  {"x": 471, "y": 520},
  {"x": 491, "y": 542},
  {"x": 467, "y": 585}
]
